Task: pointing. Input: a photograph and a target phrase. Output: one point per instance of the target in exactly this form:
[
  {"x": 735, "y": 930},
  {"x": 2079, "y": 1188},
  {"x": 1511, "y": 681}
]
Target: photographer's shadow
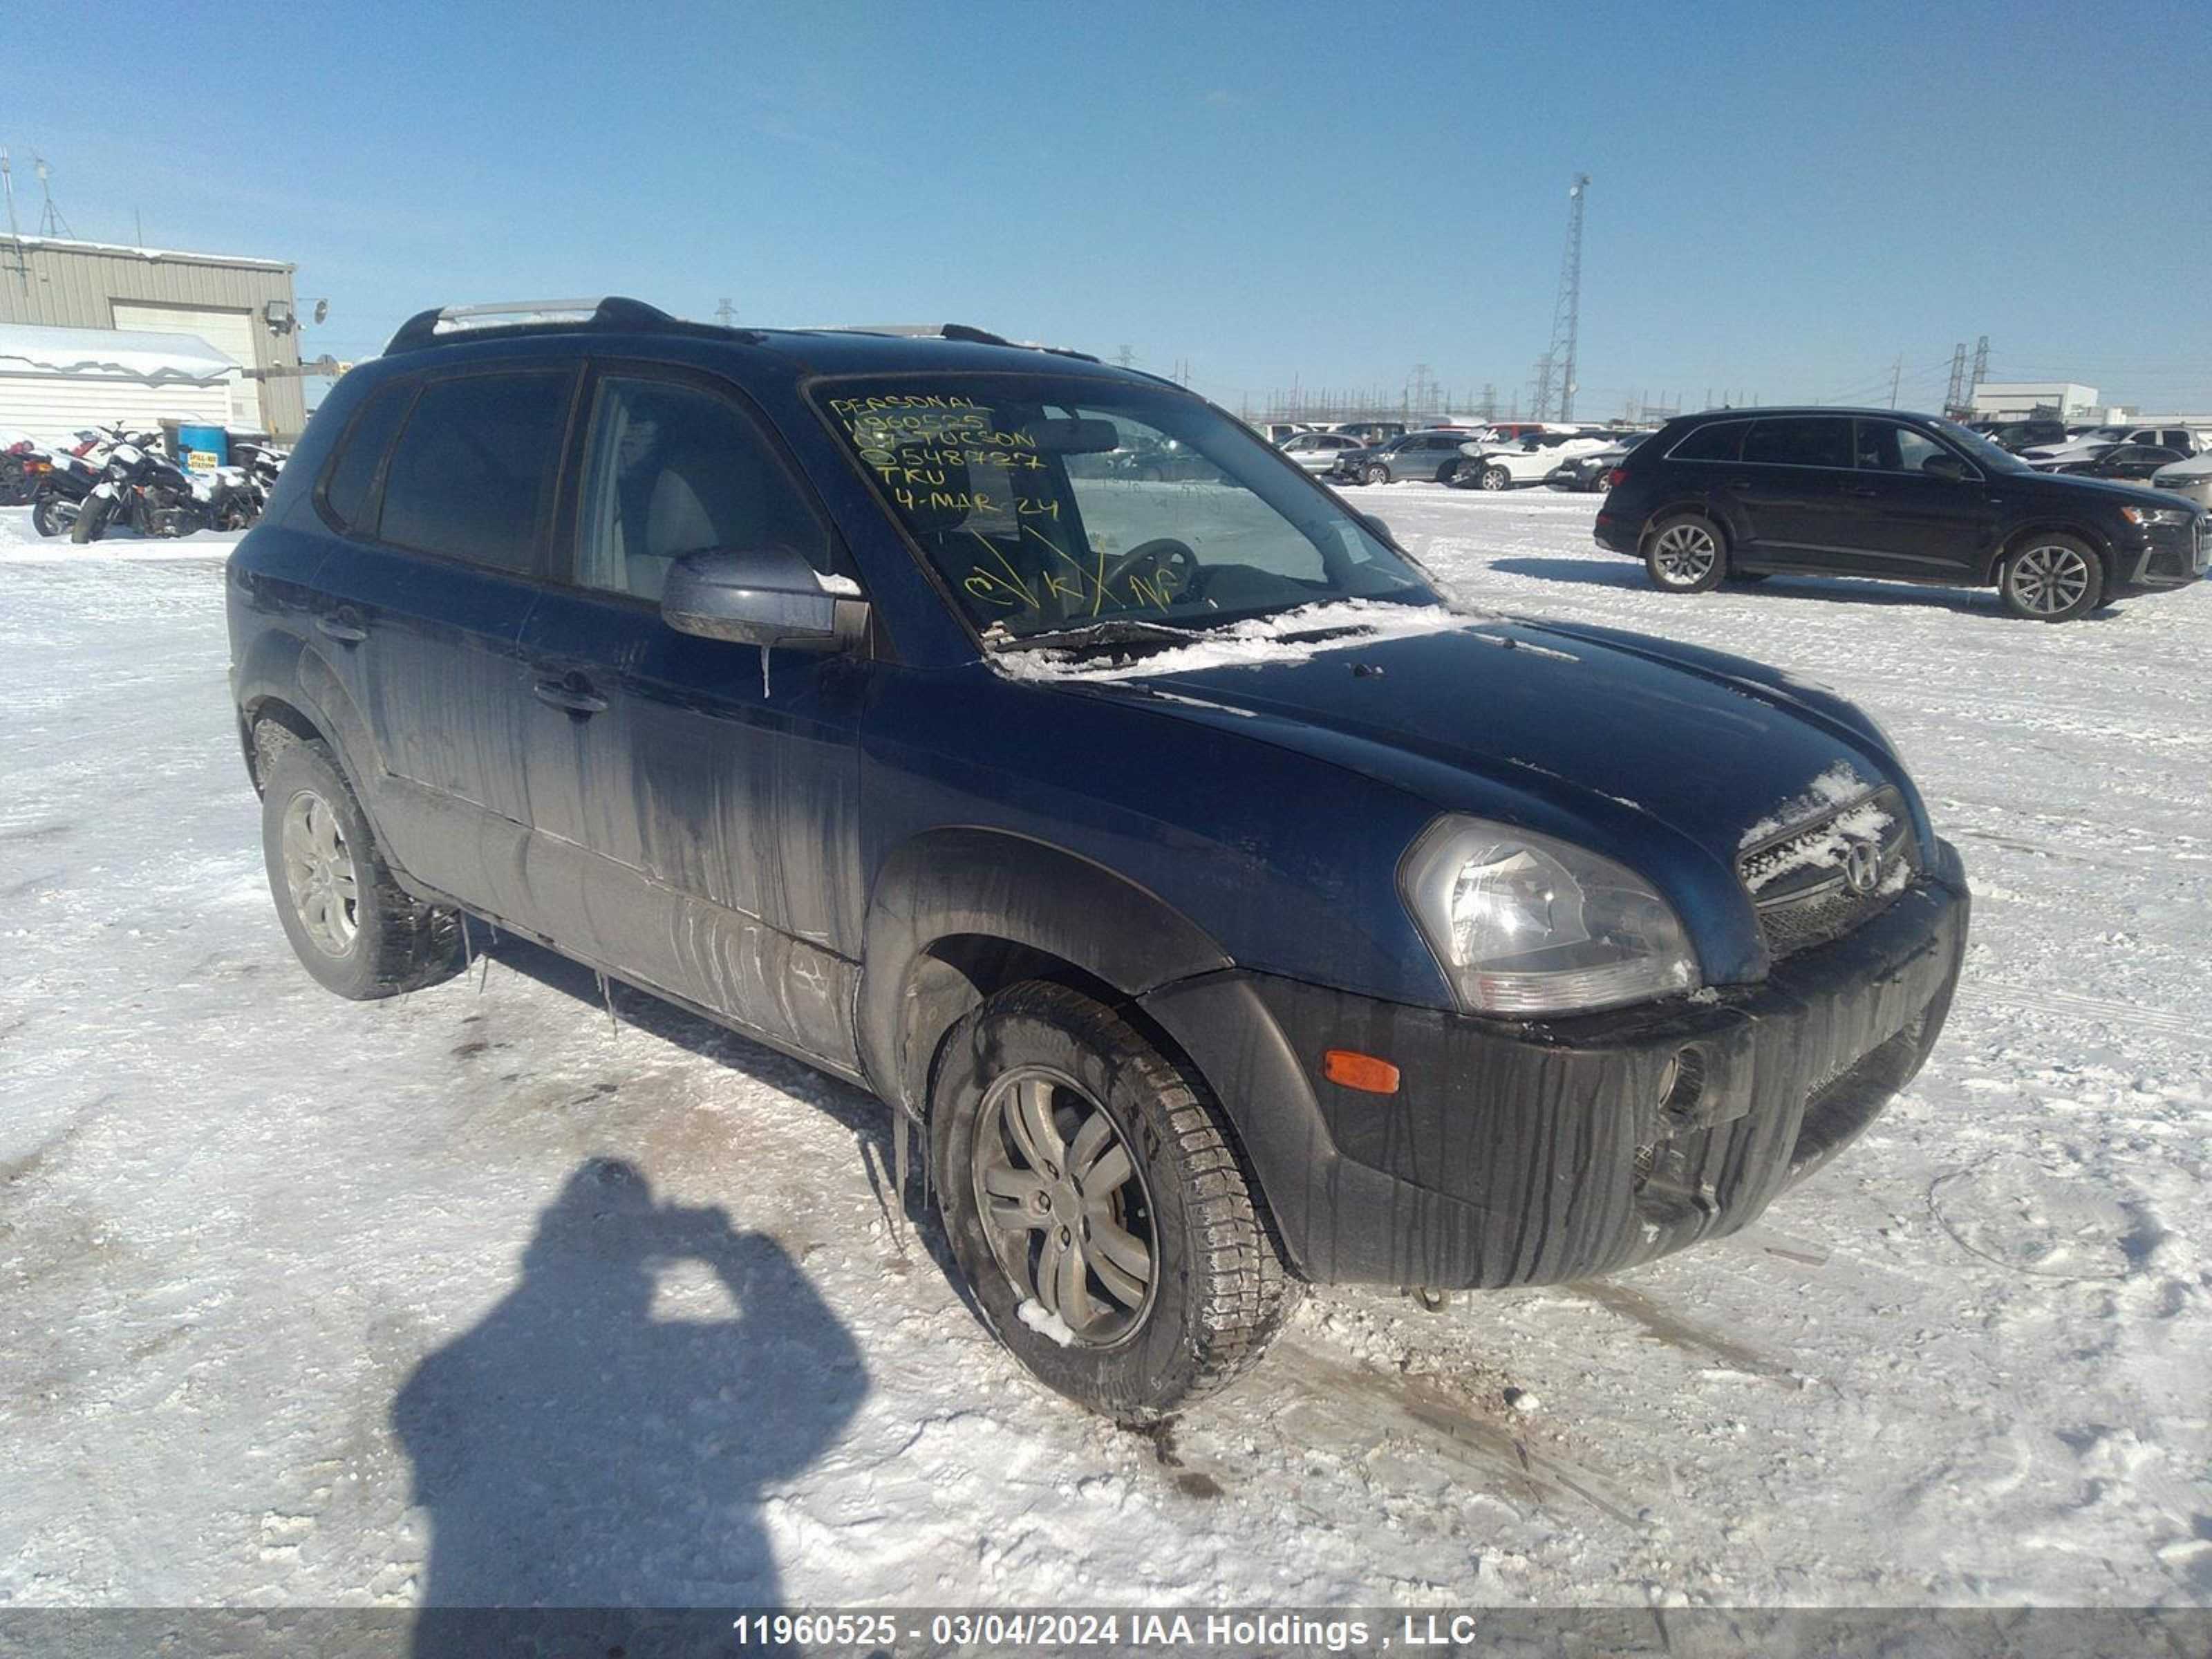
[{"x": 574, "y": 1450}]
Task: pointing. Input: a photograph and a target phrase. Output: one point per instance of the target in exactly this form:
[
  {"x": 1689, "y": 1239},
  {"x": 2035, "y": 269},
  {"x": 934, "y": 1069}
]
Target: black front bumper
[{"x": 1523, "y": 1153}]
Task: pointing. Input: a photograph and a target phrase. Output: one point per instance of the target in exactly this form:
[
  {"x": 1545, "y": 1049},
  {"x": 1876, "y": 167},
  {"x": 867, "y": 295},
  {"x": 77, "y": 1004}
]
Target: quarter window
[
  {"x": 1799, "y": 440},
  {"x": 345, "y": 491},
  {"x": 472, "y": 473},
  {"x": 1720, "y": 441},
  {"x": 675, "y": 469}
]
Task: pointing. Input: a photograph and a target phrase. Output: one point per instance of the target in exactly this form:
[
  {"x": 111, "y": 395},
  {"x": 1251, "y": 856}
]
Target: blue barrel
[{"x": 202, "y": 448}]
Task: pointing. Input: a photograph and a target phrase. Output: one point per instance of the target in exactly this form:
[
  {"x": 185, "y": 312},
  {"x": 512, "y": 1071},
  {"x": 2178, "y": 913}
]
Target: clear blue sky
[{"x": 1786, "y": 199}]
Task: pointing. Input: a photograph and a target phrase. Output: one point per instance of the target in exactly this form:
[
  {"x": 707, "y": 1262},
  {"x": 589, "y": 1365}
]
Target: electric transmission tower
[
  {"x": 1555, "y": 372},
  {"x": 1955, "y": 399},
  {"x": 725, "y": 313},
  {"x": 1981, "y": 366},
  {"x": 51, "y": 222}
]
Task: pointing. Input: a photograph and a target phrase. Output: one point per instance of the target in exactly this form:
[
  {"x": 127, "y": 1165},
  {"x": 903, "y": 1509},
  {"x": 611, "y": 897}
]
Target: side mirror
[
  {"x": 1376, "y": 527},
  {"x": 766, "y": 596},
  {"x": 1945, "y": 466}
]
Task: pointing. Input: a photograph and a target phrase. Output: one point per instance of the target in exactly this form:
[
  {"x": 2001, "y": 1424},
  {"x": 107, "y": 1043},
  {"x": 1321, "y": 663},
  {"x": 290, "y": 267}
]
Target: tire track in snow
[{"x": 2073, "y": 1004}]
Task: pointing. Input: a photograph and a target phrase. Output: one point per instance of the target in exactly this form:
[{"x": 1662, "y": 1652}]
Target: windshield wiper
[{"x": 1112, "y": 630}]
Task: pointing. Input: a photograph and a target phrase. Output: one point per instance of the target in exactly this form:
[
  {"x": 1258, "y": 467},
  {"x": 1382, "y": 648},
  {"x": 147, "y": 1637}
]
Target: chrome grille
[{"x": 1798, "y": 882}]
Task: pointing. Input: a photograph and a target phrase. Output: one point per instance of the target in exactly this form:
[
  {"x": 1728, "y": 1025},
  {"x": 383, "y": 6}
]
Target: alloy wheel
[
  {"x": 319, "y": 875},
  {"x": 1684, "y": 554},
  {"x": 2048, "y": 580},
  {"x": 1063, "y": 1204}
]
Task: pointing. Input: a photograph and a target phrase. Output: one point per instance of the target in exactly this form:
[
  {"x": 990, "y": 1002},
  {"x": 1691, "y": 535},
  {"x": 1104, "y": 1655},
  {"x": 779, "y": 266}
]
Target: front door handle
[
  {"x": 1861, "y": 489},
  {"x": 1739, "y": 484},
  {"x": 573, "y": 694},
  {"x": 342, "y": 626}
]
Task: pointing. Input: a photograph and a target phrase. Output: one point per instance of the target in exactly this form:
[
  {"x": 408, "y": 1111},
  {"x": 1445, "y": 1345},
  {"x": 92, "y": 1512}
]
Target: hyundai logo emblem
[{"x": 1861, "y": 867}]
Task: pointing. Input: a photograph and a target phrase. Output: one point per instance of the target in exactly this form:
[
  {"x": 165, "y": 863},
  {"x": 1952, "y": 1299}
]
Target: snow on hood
[
  {"x": 1839, "y": 783},
  {"x": 33, "y": 348},
  {"x": 1262, "y": 642}
]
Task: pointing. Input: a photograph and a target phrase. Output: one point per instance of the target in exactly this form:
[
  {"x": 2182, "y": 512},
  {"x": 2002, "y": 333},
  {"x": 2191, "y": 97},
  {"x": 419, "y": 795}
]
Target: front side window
[
  {"x": 1037, "y": 502},
  {"x": 1799, "y": 440},
  {"x": 672, "y": 468},
  {"x": 1885, "y": 446},
  {"x": 471, "y": 477}
]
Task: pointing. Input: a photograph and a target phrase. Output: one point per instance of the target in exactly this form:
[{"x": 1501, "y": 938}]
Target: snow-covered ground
[{"x": 468, "y": 1296}]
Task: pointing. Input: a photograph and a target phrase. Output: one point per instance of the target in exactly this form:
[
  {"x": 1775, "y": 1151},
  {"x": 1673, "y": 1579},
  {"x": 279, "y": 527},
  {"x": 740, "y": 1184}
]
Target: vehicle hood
[
  {"x": 2197, "y": 467},
  {"x": 1568, "y": 732},
  {"x": 2119, "y": 490}
]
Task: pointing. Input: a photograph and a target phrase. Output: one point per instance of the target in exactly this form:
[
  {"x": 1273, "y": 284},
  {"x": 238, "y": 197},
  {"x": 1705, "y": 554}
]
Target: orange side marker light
[{"x": 1357, "y": 1070}]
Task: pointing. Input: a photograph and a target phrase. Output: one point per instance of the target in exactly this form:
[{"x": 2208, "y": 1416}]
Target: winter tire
[
  {"x": 1375, "y": 473},
  {"x": 1495, "y": 477},
  {"x": 1685, "y": 556},
  {"x": 353, "y": 928},
  {"x": 2049, "y": 578},
  {"x": 1096, "y": 1207}
]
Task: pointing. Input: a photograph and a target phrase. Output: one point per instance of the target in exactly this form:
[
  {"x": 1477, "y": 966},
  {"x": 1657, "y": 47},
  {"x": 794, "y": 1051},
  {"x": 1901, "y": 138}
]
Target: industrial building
[
  {"x": 2019, "y": 400},
  {"x": 243, "y": 307}
]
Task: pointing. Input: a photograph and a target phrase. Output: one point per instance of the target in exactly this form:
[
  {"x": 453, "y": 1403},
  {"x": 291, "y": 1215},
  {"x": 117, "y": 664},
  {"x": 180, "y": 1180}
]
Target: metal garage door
[{"x": 231, "y": 332}]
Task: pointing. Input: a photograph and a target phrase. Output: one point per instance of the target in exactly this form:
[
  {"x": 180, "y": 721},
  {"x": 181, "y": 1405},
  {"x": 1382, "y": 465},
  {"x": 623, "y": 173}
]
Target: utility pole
[
  {"x": 1896, "y": 373},
  {"x": 51, "y": 222}
]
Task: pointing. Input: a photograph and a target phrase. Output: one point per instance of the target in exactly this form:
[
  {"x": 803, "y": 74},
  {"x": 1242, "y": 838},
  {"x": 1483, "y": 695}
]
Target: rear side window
[
  {"x": 345, "y": 489},
  {"x": 471, "y": 477},
  {"x": 1799, "y": 440},
  {"x": 1720, "y": 441}
]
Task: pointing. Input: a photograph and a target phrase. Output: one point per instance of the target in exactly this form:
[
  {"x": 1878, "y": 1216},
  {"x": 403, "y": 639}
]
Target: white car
[
  {"x": 1317, "y": 452},
  {"x": 2191, "y": 479},
  {"x": 2090, "y": 445},
  {"x": 1490, "y": 466}
]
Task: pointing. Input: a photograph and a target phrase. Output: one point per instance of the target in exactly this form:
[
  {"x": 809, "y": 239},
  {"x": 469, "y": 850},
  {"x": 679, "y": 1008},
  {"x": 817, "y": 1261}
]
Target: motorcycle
[
  {"x": 60, "y": 493},
  {"x": 152, "y": 495},
  {"x": 22, "y": 466}
]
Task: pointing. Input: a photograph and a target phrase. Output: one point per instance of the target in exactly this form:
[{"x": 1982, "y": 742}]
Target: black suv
[
  {"x": 1748, "y": 493},
  {"x": 1223, "y": 908}
]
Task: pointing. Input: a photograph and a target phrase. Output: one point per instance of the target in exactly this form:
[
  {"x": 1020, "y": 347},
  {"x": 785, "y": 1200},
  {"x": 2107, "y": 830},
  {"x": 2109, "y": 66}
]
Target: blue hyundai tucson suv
[{"x": 1225, "y": 907}]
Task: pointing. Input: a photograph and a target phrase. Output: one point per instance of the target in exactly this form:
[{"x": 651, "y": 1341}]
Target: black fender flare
[
  {"x": 974, "y": 883},
  {"x": 282, "y": 668}
]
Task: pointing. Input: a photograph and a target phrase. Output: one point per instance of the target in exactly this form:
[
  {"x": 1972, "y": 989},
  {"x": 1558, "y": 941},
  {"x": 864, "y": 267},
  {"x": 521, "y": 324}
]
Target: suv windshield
[{"x": 1047, "y": 504}]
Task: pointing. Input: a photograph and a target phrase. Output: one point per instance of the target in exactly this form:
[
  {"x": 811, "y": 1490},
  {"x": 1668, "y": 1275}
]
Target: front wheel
[
  {"x": 1495, "y": 477},
  {"x": 91, "y": 520},
  {"x": 1096, "y": 1207},
  {"x": 1375, "y": 473},
  {"x": 2051, "y": 579},
  {"x": 1685, "y": 556}
]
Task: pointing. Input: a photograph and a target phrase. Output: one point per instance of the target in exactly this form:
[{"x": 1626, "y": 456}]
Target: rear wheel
[
  {"x": 350, "y": 924},
  {"x": 2051, "y": 579},
  {"x": 1093, "y": 1202},
  {"x": 1684, "y": 555},
  {"x": 51, "y": 515}
]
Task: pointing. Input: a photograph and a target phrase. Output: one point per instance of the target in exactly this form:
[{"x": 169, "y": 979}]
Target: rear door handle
[
  {"x": 1860, "y": 489},
  {"x": 342, "y": 625},
  {"x": 573, "y": 694},
  {"x": 1739, "y": 484}
]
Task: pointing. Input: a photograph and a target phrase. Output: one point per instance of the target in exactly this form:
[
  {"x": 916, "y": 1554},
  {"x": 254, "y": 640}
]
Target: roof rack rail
[
  {"x": 961, "y": 331},
  {"x": 613, "y": 314}
]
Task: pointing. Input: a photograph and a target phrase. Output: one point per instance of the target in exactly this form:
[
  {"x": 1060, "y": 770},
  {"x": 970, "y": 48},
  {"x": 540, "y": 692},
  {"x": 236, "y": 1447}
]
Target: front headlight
[
  {"x": 2151, "y": 515},
  {"x": 1528, "y": 925}
]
